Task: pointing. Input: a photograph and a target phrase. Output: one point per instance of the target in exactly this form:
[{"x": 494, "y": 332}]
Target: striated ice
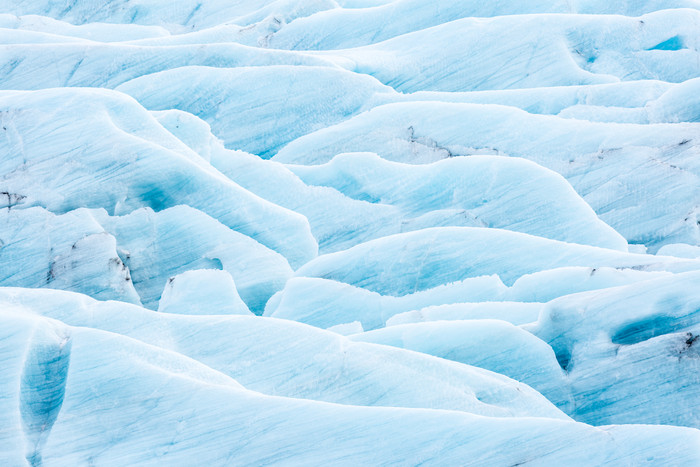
[
  {"x": 70, "y": 251},
  {"x": 630, "y": 352},
  {"x": 487, "y": 343},
  {"x": 312, "y": 97},
  {"x": 472, "y": 230},
  {"x": 487, "y": 191},
  {"x": 415, "y": 261},
  {"x": 325, "y": 303},
  {"x": 158, "y": 245},
  {"x": 134, "y": 163},
  {"x": 289, "y": 359},
  {"x": 153, "y": 397},
  {"x": 653, "y": 204},
  {"x": 202, "y": 292}
]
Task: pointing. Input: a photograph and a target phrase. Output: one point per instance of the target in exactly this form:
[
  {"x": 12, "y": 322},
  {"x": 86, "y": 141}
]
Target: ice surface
[
  {"x": 561, "y": 50},
  {"x": 342, "y": 28},
  {"x": 486, "y": 191},
  {"x": 472, "y": 230},
  {"x": 61, "y": 30},
  {"x": 679, "y": 104},
  {"x": 158, "y": 245},
  {"x": 70, "y": 251},
  {"x": 132, "y": 257},
  {"x": 290, "y": 359},
  {"x": 288, "y": 97},
  {"x": 111, "y": 64},
  {"x": 406, "y": 263},
  {"x": 627, "y": 100},
  {"x": 326, "y": 303},
  {"x": 133, "y": 163},
  {"x": 653, "y": 204},
  {"x": 186, "y": 15},
  {"x": 202, "y": 292},
  {"x": 152, "y": 396},
  {"x": 680, "y": 250},
  {"x": 512, "y": 312},
  {"x": 492, "y": 344},
  {"x": 617, "y": 341}
]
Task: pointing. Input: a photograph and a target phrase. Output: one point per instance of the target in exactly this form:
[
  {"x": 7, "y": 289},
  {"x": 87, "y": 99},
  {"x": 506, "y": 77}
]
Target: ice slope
[
  {"x": 344, "y": 28},
  {"x": 183, "y": 16},
  {"x": 622, "y": 102},
  {"x": 679, "y": 104},
  {"x": 288, "y": 359},
  {"x": 640, "y": 179},
  {"x": 681, "y": 250},
  {"x": 521, "y": 303},
  {"x": 183, "y": 294},
  {"x": 532, "y": 51},
  {"x": 360, "y": 213},
  {"x": 158, "y": 246},
  {"x": 148, "y": 415},
  {"x": 337, "y": 221},
  {"x": 492, "y": 344},
  {"x": 312, "y": 23},
  {"x": 498, "y": 192},
  {"x": 405, "y": 263},
  {"x": 327, "y": 303},
  {"x": 114, "y": 155},
  {"x": 295, "y": 100},
  {"x": 101, "y": 32},
  {"x": 132, "y": 257},
  {"x": 71, "y": 252},
  {"x": 96, "y": 64},
  {"x": 516, "y": 313},
  {"x": 630, "y": 351}
]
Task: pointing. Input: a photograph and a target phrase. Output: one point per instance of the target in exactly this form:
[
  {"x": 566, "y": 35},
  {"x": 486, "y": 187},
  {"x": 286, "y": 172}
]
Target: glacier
[{"x": 342, "y": 232}]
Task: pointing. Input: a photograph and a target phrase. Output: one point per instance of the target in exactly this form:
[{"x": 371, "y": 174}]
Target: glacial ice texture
[{"x": 349, "y": 232}]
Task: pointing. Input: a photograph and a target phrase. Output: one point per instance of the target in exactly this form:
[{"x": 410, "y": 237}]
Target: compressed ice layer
[
  {"x": 406, "y": 263},
  {"x": 630, "y": 352},
  {"x": 291, "y": 100},
  {"x": 114, "y": 155},
  {"x": 492, "y": 344},
  {"x": 326, "y": 303},
  {"x": 652, "y": 204},
  {"x": 202, "y": 292},
  {"x": 290, "y": 359},
  {"x": 153, "y": 397},
  {"x": 507, "y": 193}
]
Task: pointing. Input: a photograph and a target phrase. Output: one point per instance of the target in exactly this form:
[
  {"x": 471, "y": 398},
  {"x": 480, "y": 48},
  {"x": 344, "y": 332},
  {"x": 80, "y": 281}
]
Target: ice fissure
[{"x": 42, "y": 386}]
